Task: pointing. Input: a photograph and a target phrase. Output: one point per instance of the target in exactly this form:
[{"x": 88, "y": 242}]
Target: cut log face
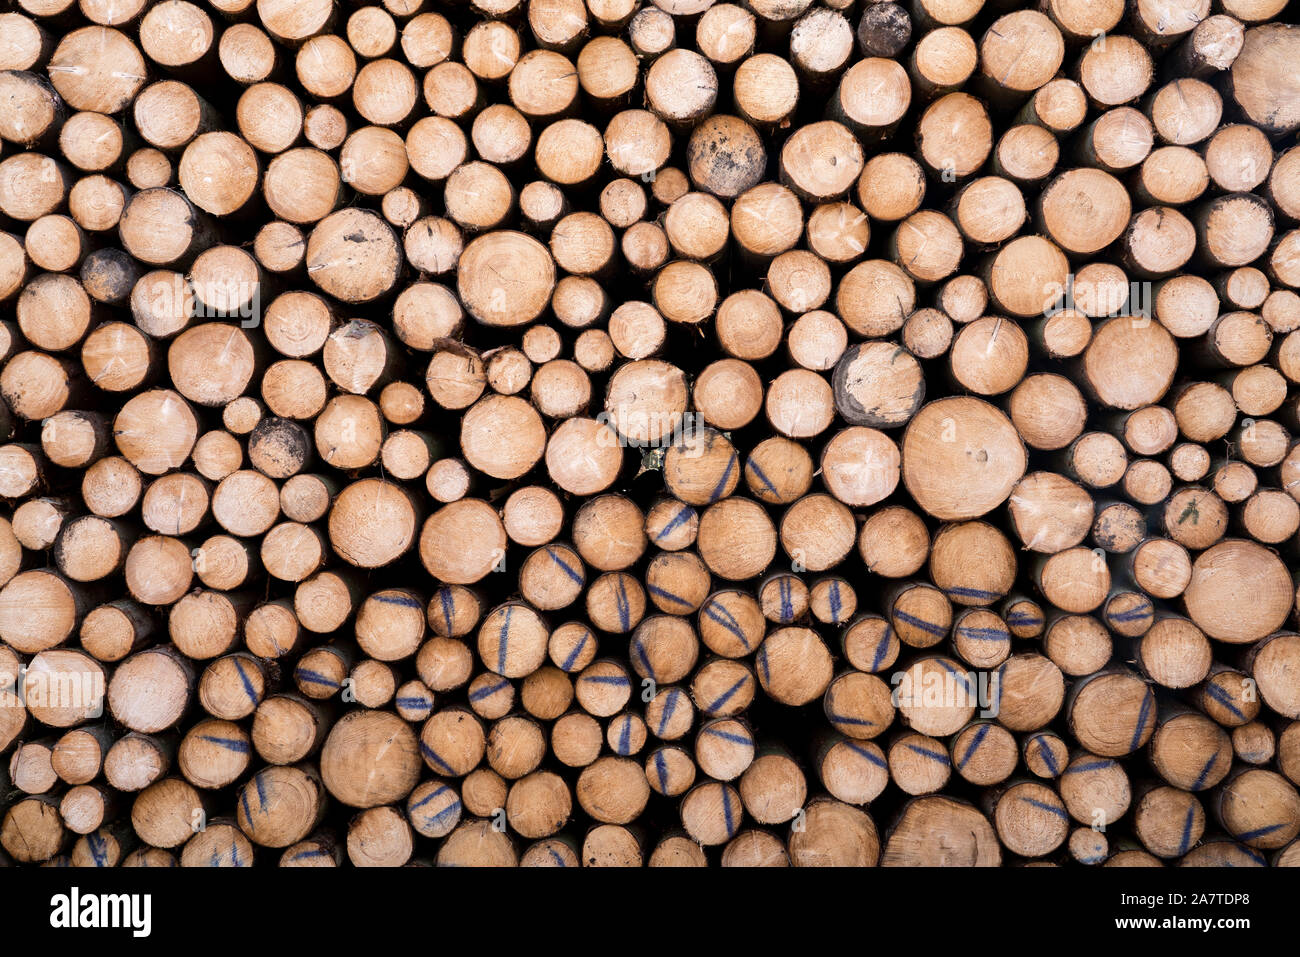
[
  {"x": 961, "y": 458},
  {"x": 475, "y": 436}
]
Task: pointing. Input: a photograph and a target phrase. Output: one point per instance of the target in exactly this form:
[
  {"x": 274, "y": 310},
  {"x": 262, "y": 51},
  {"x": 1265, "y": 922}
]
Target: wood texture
[{"x": 692, "y": 433}]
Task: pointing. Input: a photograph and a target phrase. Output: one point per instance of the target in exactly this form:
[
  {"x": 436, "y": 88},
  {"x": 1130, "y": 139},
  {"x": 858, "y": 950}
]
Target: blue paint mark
[
  {"x": 864, "y": 753},
  {"x": 444, "y": 598},
  {"x": 1187, "y": 831},
  {"x": 556, "y": 857},
  {"x": 487, "y": 692},
  {"x": 1023, "y": 618},
  {"x": 1044, "y": 806},
  {"x": 1260, "y": 832},
  {"x": 441, "y": 788},
  {"x": 625, "y": 737},
  {"x": 98, "y": 848},
  {"x": 835, "y": 602},
  {"x": 661, "y": 768},
  {"x": 1253, "y": 855},
  {"x": 310, "y": 852},
  {"x": 314, "y": 678},
  {"x": 1221, "y": 696},
  {"x": 1205, "y": 772},
  {"x": 433, "y": 756},
  {"x": 758, "y": 472},
  {"x": 572, "y": 659},
  {"x": 624, "y": 607},
  {"x": 1045, "y": 751},
  {"x": 666, "y": 595},
  {"x": 834, "y": 718},
  {"x": 726, "y": 811},
  {"x": 930, "y": 753},
  {"x": 685, "y": 515},
  {"x": 248, "y": 685},
  {"x": 959, "y": 675},
  {"x": 1101, "y": 765},
  {"x": 670, "y": 705},
  {"x": 787, "y": 605},
  {"x": 213, "y": 860},
  {"x": 1133, "y": 614},
  {"x": 921, "y": 623},
  {"x": 761, "y": 659},
  {"x": 243, "y": 802},
  {"x": 963, "y": 592},
  {"x": 568, "y": 569},
  {"x": 406, "y": 601},
  {"x": 261, "y": 791},
  {"x": 730, "y": 736},
  {"x": 984, "y": 634},
  {"x": 980, "y": 734},
  {"x": 727, "y": 621},
  {"x": 722, "y": 482},
  {"x": 413, "y": 702},
  {"x": 1142, "y": 720},
  {"x": 728, "y": 694},
  {"x": 620, "y": 680},
  {"x": 230, "y": 744},
  {"x": 503, "y": 638},
  {"x": 882, "y": 649},
  {"x": 234, "y": 855},
  {"x": 437, "y": 819},
  {"x": 639, "y": 648}
]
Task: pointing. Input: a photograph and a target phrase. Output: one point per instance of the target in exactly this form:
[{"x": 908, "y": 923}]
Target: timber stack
[{"x": 601, "y": 432}]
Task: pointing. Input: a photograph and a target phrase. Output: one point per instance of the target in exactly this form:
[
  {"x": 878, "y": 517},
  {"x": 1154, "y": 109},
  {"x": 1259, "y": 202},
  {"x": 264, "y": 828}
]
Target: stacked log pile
[{"x": 552, "y": 432}]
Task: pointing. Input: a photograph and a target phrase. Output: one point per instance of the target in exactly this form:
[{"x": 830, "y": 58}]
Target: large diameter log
[
  {"x": 370, "y": 758},
  {"x": 961, "y": 457},
  {"x": 1229, "y": 565},
  {"x": 1262, "y": 86},
  {"x": 98, "y": 69},
  {"x": 161, "y": 227},
  {"x": 353, "y": 255},
  {"x": 372, "y": 523},
  {"x": 505, "y": 278},
  {"x": 917, "y": 838}
]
